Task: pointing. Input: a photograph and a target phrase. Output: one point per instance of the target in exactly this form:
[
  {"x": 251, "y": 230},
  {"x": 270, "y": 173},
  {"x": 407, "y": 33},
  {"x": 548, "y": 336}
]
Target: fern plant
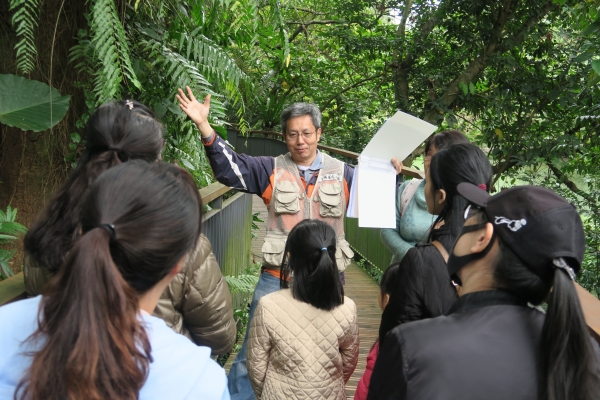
[
  {"x": 111, "y": 50},
  {"x": 243, "y": 284},
  {"x": 25, "y": 20},
  {"x": 9, "y": 230}
]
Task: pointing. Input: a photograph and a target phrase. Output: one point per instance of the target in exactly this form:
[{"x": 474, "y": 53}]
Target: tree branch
[
  {"x": 562, "y": 178},
  {"x": 328, "y": 101},
  {"x": 494, "y": 45},
  {"x": 316, "y": 22}
]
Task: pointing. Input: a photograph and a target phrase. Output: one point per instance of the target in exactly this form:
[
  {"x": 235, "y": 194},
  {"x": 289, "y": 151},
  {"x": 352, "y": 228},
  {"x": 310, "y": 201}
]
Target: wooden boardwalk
[{"x": 360, "y": 287}]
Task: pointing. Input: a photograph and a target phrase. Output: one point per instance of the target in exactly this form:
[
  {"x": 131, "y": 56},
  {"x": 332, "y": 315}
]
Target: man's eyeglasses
[{"x": 293, "y": 136}]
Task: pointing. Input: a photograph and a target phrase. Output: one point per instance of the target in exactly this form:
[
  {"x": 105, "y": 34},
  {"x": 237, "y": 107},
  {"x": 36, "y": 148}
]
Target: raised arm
[{"x": 238, "y": 171}]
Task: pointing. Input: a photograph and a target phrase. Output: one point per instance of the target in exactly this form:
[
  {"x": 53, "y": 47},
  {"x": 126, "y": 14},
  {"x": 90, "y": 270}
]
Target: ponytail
[
  {"x": 94, "y": 345},
  {"x": 569, "y": 364},
  {"x": 316, "y": 279},
  {"x": 568, "y": 369}
]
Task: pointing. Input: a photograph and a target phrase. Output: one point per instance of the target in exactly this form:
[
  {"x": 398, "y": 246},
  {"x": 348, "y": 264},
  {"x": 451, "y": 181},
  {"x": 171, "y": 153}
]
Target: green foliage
[
  {"x": 372, "y": 270},
  {"x": 243, "y": 284},
  {"x": 9, "y": 230},
  {"x": 111, "y": 51},
  {"x": 30, "y": 105},
  {"x": 25, "y": 20},
  {"x": 254, "y": 226}
]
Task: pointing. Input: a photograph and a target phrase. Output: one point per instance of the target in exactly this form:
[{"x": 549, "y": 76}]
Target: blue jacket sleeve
[
  {"x": 391, "y": 238},
  {"x": 239, "y": 171}
]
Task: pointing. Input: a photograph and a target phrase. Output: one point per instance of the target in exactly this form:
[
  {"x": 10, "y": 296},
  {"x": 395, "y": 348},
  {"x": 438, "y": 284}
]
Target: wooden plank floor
[{"x": 360, "y": 287}]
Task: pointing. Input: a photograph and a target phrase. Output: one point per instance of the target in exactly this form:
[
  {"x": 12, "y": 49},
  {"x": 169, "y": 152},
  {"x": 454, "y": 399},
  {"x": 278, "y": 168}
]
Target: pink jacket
[{"x": 363, "y": 385}]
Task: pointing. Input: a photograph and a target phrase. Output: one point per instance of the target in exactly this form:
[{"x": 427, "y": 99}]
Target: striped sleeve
[{"x": 239, "y": 171}]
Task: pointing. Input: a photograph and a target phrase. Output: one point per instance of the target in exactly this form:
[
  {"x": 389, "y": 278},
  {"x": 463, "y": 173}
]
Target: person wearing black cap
[{"x": 521, "y": 247}]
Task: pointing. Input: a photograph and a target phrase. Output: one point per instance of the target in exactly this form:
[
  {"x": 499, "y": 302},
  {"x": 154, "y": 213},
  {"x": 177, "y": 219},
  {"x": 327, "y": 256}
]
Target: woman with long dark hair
[
  {"x": 91, "y": 336},
  {"x": 423, "y": 287},
  {"x": 198, "y": 302},
  {"x": 303, "y": 340},
  {"x": 519, "y": 248}
]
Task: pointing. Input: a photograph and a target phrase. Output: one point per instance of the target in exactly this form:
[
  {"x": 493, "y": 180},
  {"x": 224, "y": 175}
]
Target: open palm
[{"x": 198, "y": 112}]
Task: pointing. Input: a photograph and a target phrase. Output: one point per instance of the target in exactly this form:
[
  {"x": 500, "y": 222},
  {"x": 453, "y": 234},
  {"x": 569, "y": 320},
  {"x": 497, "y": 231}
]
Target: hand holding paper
[{"x": 373, "y": 194}]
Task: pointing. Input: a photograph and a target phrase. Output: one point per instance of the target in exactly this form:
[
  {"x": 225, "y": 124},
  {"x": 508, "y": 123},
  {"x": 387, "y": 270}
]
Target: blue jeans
[{"x": 237, "y": 380}]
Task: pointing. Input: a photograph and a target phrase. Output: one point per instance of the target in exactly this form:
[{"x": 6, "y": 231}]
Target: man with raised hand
[{"x": 302, "y": 184}]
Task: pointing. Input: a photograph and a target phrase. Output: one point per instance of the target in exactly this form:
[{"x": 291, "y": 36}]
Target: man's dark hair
[{"x": 298, "y": 110}]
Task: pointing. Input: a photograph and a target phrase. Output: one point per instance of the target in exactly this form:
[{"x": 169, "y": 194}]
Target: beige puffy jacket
[
  {"x": 297, "y": 351},
  {"x": 197, "y": 303}
]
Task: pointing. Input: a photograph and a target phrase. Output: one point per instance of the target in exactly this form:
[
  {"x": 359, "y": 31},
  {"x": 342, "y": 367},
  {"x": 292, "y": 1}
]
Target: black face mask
[{"x": 455, "y": 263}]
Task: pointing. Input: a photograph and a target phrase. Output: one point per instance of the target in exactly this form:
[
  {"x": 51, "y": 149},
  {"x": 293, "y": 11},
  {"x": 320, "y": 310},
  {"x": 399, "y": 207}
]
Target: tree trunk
[{"x": 32, "y": 163}]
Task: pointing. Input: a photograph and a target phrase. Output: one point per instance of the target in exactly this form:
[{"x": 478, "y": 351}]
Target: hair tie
[
  {"x": 110, "y": 228},
  {"x": 129, "y": 104},
  {"x": 115, "y": 149},
  {"x": 562, "y": 264},
  {"x": 324, "y": 249},
  {"x": 483, "y": 186}
]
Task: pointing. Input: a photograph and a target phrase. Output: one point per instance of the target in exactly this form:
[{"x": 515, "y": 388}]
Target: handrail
[
  {"x": 407, "y": 171},
  {"x": 213, "y": 192}
]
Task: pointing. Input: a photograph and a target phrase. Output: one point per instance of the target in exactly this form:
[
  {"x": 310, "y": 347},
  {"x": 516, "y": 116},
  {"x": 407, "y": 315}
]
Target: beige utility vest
[{"x": 290, "y": 205}]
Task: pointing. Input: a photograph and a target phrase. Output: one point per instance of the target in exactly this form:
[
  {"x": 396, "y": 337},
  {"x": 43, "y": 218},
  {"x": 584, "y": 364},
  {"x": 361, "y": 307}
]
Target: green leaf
[
  {"x": 596, "y": 66},
  {"x": 471, "y": 88},
  {"x": 221, "y": 131},
  {"x": 30, "y": 105},
  {"x": 188, "y": 164},
  {"x": 586, "y": 55},
  {"x": 463, "y": 86}
]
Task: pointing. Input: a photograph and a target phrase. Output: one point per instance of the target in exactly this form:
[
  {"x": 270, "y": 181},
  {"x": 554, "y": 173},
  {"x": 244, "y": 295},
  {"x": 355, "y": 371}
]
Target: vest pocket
[
  {"x": 330, "y": 196},
  {"x": 287, "y": 198},
  {"x": 272, "y": 251},
  {"x": 343, "y": 254}
]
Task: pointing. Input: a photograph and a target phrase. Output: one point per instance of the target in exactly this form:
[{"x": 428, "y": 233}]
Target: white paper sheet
[
  {"x": 373, "y": 192},
  {"x": 376, "y": 193}
]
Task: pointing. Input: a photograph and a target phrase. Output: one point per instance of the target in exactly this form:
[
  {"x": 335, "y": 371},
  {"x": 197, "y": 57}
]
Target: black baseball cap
[{"x": 537, "y": 224}]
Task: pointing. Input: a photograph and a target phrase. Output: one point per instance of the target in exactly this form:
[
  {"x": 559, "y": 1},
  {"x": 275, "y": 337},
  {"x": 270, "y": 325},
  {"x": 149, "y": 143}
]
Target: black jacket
[
  {"x": 485, "y": 348},
  {"x": 423, "y": 288}
]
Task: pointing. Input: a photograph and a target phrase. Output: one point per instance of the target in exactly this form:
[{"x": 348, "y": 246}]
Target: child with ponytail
[
  {"x": 303, "y": 340},
  {"x": 91, "y": 335}
]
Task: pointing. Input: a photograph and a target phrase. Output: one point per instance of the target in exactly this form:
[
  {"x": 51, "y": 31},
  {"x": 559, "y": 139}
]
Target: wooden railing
[{"x": 227, "y": 226}]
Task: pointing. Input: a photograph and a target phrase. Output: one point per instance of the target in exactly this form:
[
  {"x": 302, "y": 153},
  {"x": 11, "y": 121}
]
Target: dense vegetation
[{"x": 521, "y": 78}]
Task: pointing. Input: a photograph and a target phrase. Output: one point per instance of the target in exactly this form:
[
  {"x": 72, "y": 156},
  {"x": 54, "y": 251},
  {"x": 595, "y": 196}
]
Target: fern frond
[
  {"x": 25, "y": 20},
  {"x": 5, "y": 270},
  {"x": 182, "y": 72},
  {"x": 213, "y": 61},
  {"x": 111, "y": 51},
  {"x": 244, "y": 284}
]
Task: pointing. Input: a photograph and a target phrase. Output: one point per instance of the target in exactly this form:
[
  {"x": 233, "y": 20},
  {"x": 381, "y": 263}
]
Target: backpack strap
[{"x": 409, "y": 191}]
